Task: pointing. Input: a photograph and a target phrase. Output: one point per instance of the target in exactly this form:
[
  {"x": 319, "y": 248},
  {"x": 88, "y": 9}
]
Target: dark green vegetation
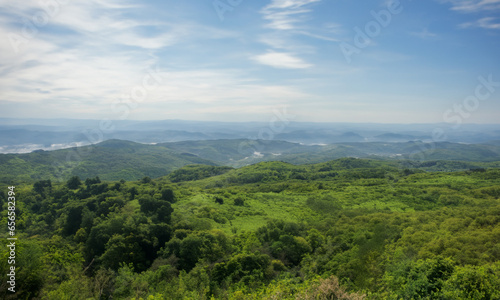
[
  {"x": 343, "y": 229},
  {"x": 115, "y": 159}
]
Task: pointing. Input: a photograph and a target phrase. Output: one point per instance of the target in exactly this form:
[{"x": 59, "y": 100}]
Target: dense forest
[{"x": 343, "y": 229}]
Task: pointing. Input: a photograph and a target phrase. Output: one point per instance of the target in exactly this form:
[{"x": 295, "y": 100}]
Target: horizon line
[{"x": 240, "y": 122}]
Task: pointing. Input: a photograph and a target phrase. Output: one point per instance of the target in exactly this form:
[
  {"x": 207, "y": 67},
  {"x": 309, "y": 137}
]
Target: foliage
[{"x": 343, "y": 229}]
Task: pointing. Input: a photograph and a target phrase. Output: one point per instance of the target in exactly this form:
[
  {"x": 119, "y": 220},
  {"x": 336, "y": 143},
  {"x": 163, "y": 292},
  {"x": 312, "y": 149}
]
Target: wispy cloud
[
  {"x": 92, "y": 53},
  {"x": 468, "y": 6},
  {"x": 281, "y": 60},
  {"x": 206, "y": 86},
  {"x": 424, "y": 34},
  {"x": 489, "y": 9},
  {"x": 486, "y": 23},
  {"x": 287, "y": 19},
  {"x": 88, "y": 55},
  {"x": 289, "y": 3},
  {"x": 285, "y": 14}
]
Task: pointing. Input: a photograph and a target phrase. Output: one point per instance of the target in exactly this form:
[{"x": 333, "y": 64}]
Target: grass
[
  {"x": 258, "y": 208},
  {"x": 289, "y": 199}
]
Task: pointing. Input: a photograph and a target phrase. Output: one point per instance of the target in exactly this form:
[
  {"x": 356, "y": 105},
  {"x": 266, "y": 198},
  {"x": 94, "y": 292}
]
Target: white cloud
[
  {"x": 281, "y": 60},
  {"x": 99, "y": 56},
  {"x": 157, "y": 42},
  {"x": 486, "y": 23},
  {"x": 285, "y": 14},
  {"x": 284, "y": 20},
  {"x": 287, "y": 18},
  {"x": 477, "y": 6},
  {"x": 97, "y": 22},
  {"x": 468, "y": 6}
]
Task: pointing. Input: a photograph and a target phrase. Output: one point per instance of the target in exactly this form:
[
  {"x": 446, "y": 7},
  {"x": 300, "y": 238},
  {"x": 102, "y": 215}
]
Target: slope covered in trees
[
  {"x": 116, "y": 159},
  {"x": 111, "y": 160},
  {"x": 343, "y": 229}
]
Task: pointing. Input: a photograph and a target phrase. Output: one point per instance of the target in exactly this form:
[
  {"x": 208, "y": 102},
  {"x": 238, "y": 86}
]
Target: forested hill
[
  {"x": 116, "y": 159},
  {"x": 344, "y": 229},
  {"x": 111, "y": 160},
  {"x": 237, "y": 153}
]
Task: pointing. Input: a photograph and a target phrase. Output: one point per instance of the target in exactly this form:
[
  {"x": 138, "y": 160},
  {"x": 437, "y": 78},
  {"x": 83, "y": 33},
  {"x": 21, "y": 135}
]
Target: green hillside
[
  {"x": 239, "y": 152},
  {"x": 116, "y": 159},
  {"x": 110, "y": 160},
  {"x": 418, "y": 151},
  {"x": 343, "y": 229}
]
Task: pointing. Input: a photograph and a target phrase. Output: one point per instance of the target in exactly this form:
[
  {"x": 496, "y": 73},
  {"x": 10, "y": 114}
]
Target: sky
[{"x": 385, "y": 61}]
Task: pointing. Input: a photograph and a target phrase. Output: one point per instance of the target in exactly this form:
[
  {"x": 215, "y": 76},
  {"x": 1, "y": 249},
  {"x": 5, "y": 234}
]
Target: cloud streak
[
  {"x": 485, "y": 23},
  {"x": 469, "y": 6},
  {"x": 285, "y": 14},
  {"x": 281, "y": 60}
]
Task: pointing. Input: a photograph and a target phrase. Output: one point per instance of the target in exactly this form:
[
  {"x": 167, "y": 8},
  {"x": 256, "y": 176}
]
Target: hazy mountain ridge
[
  {"x": 118, "y": 159},
  {"x": 24, "y": 136},
  {"x": 239, "y": 152}
]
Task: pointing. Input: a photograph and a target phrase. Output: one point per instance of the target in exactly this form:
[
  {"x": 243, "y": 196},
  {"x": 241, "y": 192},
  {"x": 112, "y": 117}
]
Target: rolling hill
[
  {"x": 110, "y": 160},
  {"x": 117, "y": 159}
]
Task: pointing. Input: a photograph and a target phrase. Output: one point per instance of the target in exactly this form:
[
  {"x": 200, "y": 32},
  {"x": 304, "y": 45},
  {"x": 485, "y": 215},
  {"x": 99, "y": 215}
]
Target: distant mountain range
[
  {"x": 118, "y": 159},
  {"x": 27, "y": 135}
]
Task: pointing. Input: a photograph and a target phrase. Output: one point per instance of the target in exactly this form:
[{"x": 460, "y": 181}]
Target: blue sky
[{"x": 229, "y": 60}]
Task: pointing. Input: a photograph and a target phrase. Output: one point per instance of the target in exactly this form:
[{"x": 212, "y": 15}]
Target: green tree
[
  {"x": 29, "y": 274},
  {"x": 42, "y": 186},
  {"x": 290, "y": 248},
  {"x": 146, "y": 180},
  {"x": 474, "y": 282},
  {"x": 73, "y": 220},
  {"x": 239, "y": 202},
  {"x": 420, "y": 279},
  {"x": 73, "y": 183},
  {"x": 168, "y": 195}
]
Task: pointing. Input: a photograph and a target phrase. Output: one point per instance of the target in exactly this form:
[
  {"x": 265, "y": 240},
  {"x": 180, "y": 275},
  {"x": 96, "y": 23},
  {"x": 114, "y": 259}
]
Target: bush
[{"x": 329, "y": 288}]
